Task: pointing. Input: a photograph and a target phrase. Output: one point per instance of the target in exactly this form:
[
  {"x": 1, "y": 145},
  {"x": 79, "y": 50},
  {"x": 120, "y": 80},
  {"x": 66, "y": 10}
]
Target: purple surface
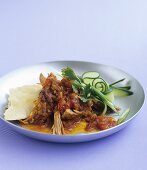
[{"x": 111, "y": 32}]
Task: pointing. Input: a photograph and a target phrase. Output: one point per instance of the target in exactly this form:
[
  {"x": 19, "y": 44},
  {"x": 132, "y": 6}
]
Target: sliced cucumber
[
  {"x": 124, "y": 88},
  {"x": 123, "y": 116},
  {"x": 100, "y": 95},
  {"x": 110, "y": 96},
  {"x": 105, "y": 110},
  {"x": 100, "y": 84},
  {"x": 88, "y": 81},
  {"x": 121, "y": 92},
  {"x": 90, "y": 75},
  {"x": 97, "y": 80},
  {"x": 117, "y": 82}
]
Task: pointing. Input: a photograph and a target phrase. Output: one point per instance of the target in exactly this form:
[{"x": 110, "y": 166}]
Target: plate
[{"x": 29, "y": 75}]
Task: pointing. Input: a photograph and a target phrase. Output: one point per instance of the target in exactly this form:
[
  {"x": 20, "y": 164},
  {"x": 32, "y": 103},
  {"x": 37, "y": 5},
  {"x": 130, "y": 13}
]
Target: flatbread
[{"x": 21, "y": 101}]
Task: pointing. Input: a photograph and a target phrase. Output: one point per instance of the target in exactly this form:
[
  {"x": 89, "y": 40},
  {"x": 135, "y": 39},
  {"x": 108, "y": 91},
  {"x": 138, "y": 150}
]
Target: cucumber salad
[{"x": 92, "y": 86}]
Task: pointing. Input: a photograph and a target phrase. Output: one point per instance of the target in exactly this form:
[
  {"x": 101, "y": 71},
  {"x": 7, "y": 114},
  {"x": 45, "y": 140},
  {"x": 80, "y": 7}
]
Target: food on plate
[{"x": 70, "y": 105}]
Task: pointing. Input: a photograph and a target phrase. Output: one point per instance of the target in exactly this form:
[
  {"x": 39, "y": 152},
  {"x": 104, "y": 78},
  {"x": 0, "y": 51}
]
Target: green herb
[
  {"x": 92, "y": 86},
  {"x": 87, "y": 91},
  {"x": 69, "y": 73}
]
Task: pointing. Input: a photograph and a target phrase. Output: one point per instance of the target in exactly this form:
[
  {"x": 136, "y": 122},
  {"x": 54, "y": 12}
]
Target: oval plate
[{"x": 29, "y": 75}]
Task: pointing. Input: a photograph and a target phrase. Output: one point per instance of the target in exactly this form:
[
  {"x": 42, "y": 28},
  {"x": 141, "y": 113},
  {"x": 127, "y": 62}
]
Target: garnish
[
  {"x": 92, "y": 86},
  {"x": 123, "y": 116}
]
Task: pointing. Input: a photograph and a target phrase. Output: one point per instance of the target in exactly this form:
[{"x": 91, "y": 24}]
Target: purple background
[{"x": 111, "y": 32}]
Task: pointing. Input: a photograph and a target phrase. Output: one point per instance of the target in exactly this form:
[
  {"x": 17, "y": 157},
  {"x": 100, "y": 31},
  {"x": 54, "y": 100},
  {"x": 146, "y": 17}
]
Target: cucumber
[
  {"x": 97, "y": 80},
  {"x": 110, "y": 96},
  {"x": 88, "y": 81},
  {"x": 124, "y": 88},
  {"x": 90, "y": 75},
  {"x": 105, "y": 110},
  {"x": 123, "y": 116},
  {"x": 116, "y": 82},
  {"x": 100, "y": 84},
  {"x": 121, "y": 92}
]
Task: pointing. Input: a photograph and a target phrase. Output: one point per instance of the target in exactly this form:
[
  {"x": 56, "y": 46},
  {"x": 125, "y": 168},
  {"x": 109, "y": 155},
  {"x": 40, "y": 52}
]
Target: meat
[
  {"x": 59, "y": 107},
  {"x": 99, "y": 122},
  {"x": 58, "y": 126},
  {"x": 46, "y": 103},
  {"x": 69, "y": 124},
  {"x": 105, "y": 122},
  {"x": 69, "y": 114},
  {"x": 42, "y": 79},
  {"x": 93, "y": 121}
]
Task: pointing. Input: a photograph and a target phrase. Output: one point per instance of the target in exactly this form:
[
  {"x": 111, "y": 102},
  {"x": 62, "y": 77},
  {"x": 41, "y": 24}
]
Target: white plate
[{"x": 29, "y": 75}]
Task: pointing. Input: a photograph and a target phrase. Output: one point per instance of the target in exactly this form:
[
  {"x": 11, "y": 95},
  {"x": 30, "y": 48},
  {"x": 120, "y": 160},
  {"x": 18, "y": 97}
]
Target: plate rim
[{"x": 80, "y": 134}]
